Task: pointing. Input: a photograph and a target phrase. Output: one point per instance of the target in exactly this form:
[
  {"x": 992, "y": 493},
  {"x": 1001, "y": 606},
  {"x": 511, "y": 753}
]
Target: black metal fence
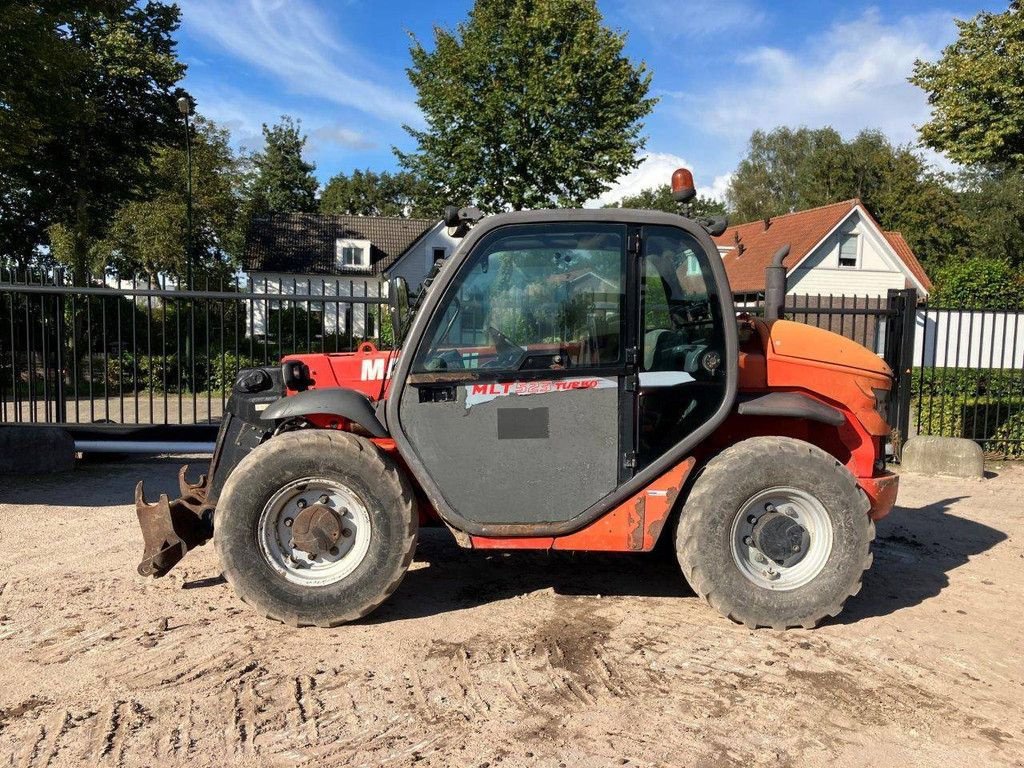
[
  {"x": 151, "y": 362},
  {"x": 146, "y": 361},
  {"x": 968, "y": 377}
]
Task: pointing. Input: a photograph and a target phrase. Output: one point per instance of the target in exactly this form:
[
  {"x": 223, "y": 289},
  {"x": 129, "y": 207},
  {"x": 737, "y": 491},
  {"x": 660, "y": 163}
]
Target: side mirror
[{"x": 398, "y": 303}]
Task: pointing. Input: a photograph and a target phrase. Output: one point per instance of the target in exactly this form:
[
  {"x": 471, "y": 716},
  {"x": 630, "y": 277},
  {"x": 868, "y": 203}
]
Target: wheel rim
[
  {"x": 768, "y": 531},
  {"x": 316, "y": 566}
]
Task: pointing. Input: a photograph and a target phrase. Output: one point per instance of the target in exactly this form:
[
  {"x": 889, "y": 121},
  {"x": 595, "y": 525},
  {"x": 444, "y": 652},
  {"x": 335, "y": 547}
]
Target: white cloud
[
  {"x": 853, "y": 76},
  {"x": 295, "y": 43},
  {"x": 673, "y": 19},
  {"x": 655, "y": 170},
  {"x": 244, "y": 116},
  {"x": 339, "y": 136},
  {"x": 719, "y": 187}
]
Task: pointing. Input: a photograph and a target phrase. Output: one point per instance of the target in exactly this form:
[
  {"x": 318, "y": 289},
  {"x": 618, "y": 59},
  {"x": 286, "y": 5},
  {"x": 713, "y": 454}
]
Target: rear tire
[
  {"x": 283, "y": 476},
  {"x": 792, "y": 481}
]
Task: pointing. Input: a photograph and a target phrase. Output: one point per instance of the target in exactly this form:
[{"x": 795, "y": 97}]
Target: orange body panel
[
  {"x": 881, "y": 492},
  {"x": 633, "y": 526}
]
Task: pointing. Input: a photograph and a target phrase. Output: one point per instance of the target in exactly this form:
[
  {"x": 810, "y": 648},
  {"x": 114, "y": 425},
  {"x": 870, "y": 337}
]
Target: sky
[{"x": 721, "y": 69}]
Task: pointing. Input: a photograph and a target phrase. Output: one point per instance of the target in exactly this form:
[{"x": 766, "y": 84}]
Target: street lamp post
[{"x": 185, "y": 108}]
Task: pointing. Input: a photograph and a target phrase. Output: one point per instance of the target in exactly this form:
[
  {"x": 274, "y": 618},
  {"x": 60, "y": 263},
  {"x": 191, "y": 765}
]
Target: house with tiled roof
[
  {"x": 337, "y": 255},
  {"x": 837, "y": 249}
]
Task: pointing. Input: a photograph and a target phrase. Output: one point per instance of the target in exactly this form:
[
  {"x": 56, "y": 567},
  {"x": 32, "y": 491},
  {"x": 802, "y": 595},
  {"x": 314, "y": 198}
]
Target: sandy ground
[{"x": 506, "y": 659}]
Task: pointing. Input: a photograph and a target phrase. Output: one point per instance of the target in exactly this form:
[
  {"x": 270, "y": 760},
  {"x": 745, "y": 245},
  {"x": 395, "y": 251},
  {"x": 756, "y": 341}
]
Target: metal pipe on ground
[{"x": 132, "y": 446}]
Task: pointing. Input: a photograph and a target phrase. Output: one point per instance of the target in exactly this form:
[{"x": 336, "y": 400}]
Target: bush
[
  {"x": 978, "y": 283},
  {"x": 1009, "y": 438},
  {"x": 125, "y": 372},
  {"x": 952, "y": 382},
  {"x": 987, "y": 420}
]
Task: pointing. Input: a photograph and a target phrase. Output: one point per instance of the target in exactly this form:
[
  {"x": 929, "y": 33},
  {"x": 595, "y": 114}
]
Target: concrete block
[
  {"x": 32, "y": 450},
  {"x": 953, "y": 456}
]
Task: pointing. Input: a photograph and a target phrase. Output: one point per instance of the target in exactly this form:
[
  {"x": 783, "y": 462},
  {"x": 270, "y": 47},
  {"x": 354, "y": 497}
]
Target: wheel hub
[
  {"x": 781, "y": 539},
  {"x": 316, "y": 530}
]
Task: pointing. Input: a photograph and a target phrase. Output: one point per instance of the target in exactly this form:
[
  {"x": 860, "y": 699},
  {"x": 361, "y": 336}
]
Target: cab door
[
  {"x": 515, "y": 401},
  {"x": 682, "y": 378}
]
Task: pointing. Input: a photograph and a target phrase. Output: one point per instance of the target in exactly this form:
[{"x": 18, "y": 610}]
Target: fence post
[{"x": 899, "y": 354}]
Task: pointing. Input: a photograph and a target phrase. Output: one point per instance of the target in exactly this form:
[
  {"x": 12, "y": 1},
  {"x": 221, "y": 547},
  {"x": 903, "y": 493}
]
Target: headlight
[{"x": 882, "y": 402}]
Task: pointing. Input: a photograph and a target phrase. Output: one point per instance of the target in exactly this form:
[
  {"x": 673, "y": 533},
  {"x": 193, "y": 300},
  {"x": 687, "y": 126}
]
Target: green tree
[
  {"x": 781, "y": 168},
  {"x": 993, "y": 204},
  {"x": 979, "y": 283},
  {"x": 789, "y": 170},
  {"x": 528, "y": 104},
  {"x": 147, "y": 237},
  {"x": 282, "y": 180},
  {"x": 660, "y": 199},
  {"x": 86, "y": 93},
  {"x": 366, "y": 193},
  {"x": 976, "y": 90}
]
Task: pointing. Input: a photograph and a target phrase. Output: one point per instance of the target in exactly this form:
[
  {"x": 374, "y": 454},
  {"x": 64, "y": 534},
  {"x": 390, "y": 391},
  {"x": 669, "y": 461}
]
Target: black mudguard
[{"x": 345, "y": 403}]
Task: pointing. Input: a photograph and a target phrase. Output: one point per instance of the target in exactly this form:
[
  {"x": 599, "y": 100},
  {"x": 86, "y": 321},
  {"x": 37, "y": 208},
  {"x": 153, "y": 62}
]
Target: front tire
[
  {"x": 315, "y": 527},
  {"x": 775, "y": 533}
]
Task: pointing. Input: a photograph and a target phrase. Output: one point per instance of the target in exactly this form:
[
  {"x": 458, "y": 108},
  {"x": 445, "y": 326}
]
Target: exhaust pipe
[{"x": 775, "y": 285}]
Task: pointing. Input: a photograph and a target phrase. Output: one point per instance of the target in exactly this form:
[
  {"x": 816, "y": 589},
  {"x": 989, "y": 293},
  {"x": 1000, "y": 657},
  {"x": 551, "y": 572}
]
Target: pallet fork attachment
[{"x": 171, "y": 528}]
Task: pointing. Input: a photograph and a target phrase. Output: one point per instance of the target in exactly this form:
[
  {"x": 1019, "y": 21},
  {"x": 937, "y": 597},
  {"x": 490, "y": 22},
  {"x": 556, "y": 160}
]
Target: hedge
[
  {"x": 967, "y": 382},
  {"x": 992, "y": 421}
]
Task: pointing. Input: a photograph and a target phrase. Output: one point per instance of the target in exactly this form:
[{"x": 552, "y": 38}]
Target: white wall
[
  {"x": 336, "y": 313},
  {"x": 417, "y": 262},
  {"x": 877, "y": 270},
  {"x": 950, "y": 339}
]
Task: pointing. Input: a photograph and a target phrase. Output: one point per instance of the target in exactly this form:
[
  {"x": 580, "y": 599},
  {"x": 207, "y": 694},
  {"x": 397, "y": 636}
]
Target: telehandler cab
[{"x": 569, "y": 380}]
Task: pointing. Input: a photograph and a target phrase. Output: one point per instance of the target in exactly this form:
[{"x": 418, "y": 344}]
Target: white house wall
[
  {"x": 877, "y": 270},
  {"x": 417, "y": 262},
  {"x": 336, "y": 313}
]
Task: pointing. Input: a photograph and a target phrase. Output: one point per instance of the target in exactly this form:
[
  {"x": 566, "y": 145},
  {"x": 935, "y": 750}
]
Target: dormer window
[
  {"x": 352, "y": 254},
  {"x": 848, "y": 252}
]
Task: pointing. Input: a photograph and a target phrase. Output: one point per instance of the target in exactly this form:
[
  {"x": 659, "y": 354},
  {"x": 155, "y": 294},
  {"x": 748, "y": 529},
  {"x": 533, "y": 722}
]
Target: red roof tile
[
  {"x": 902, "y": 248},
  {"x": 746, "y": 259}
]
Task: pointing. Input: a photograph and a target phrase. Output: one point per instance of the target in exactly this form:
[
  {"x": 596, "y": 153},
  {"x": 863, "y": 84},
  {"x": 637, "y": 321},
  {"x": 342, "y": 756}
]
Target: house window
[
  {"x": 848, "y": 252},
  {"x": 351, "y": 254},
  {"x": 439, "y": 253}
]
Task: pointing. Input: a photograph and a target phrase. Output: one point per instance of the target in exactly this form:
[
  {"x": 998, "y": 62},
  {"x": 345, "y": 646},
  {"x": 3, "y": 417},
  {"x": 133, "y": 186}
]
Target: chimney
[{"x": 767, "y": 222}]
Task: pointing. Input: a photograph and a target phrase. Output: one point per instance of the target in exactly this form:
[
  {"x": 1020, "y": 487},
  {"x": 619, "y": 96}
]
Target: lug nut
[
  {"x": 759, "y": 558},
  {"x": 334, "y": 551},
  {"x": 748, "y": 541},
  {"x": 288, "y": 522},
  {"x": 312, "y": 557},
  {"x": 771, "y": 575},
  {"x": 347, "y": 533},
  {"x": 751, "y": 519},
  {"x": 796, "y": 547},
  {"x": 324, "y": 498},
  {"x": 769, "y": 507},
  {"x": 301, "y": 503}
]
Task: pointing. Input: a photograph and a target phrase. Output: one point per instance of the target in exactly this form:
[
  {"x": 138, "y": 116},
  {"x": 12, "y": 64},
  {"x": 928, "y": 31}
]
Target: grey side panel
[
  {"x": 494, "y": 464},
  {"x": 346, "y": 403},
  {"x": 792, "y": 405}
]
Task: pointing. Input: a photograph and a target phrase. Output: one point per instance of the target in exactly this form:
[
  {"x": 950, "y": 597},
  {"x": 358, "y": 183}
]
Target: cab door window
[
  {"x": 682, "y": 376},
  {"x": 537, "y": 297}
]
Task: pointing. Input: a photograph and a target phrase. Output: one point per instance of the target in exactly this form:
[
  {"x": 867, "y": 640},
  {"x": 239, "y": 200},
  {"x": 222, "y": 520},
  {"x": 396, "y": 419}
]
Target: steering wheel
[{"x": 508, "y": 354}]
